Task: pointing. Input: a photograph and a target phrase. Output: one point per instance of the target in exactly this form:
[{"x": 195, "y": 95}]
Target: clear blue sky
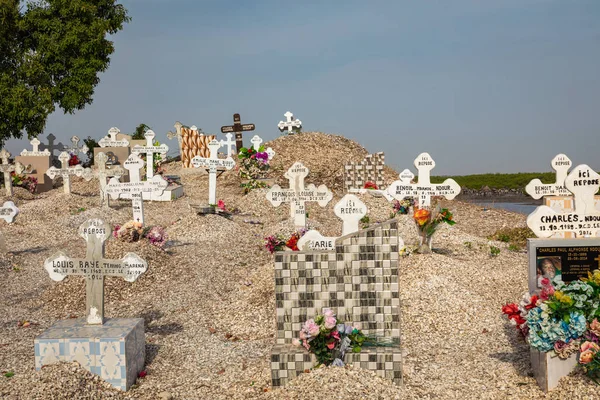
[{"x": 483, "y": 86}]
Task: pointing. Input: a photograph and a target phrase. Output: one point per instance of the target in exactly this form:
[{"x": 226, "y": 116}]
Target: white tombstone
[
  {"x": 213, "y": 163},
  {"x": 290, "y": 123},
  {"x": 229, "y": 143},
  {"x": 75, "y": 148},
  {"x": 297, "y": 195},
  {"x": 111, "y": 139},
  {"x": 8, "y": 212},
  {"x": 150, "y": 149},
  {"x": 103, "y": 174},
  {"x": 583, "y": 182},
  {"x": 133, "y": 189},
  {"x": 94, "y": 267},
  {"x": 350, "y": 209},
  {"x": 65, "y": 171},
  {"x": 7, "y": 168},
  {"x": 536, "y": 189},
  {"x": 424, "y": 189},
  {"x": 313, "y": 240},
  {"x": 35, "y": 143}
]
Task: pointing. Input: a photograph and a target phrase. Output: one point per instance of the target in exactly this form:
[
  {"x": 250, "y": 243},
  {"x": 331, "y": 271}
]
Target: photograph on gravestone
[
  {"x": 290, "y": 125},
  {"x": 423, "y": 190},
  {"x": 297, "y": 195}
]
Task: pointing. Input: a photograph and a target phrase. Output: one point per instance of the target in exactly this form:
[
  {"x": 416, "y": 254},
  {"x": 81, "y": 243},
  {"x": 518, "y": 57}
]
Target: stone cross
[
  {"x": 7, "y": 168},
  {"x": 350, "y": 209},
  {"x": 290, "y": 123},
  {"x": 313, "y": 240},
  {"x": 94, "y": 267},
  {"x": 536, "y": 189},
  {"x": 424, "y": 189},
  {"x": 111, "y": 139},
  {"x": 65, "y": 171},
  {"x": 177, "y": 134},
  {"x": 135, "y": 187},
  {"x": 8, "y": 212},
  {"x": 238, "y": 128},
  {"x": 150, "y": 149},
  {"x": 75, "y": 146},
  {"x": 103, "y": 174},
  {"x": 229, "y": 143},
  {"x": 51, "y": 146},
  {"x": 583, "y": 182},
  {"x": 297, "y": 195},
  {"x": 35, "y": 143},
  {"x": 213, "y": 163}
]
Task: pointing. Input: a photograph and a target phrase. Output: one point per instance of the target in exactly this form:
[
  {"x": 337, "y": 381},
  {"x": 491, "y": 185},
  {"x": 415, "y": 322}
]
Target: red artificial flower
[
  {"x": 533, "y": 302},
  {"x": 292, "y": 243},
  {"x": 510, "y": 309},
  {"x": 142, "y": 374},
  {"x": 371, "y": 185}
]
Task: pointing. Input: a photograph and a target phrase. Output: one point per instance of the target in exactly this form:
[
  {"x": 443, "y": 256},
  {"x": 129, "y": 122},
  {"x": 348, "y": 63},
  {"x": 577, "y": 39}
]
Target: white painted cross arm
[
  {"x": 8, "y": 211},
  {"x": 130, "y": 267},
  {"x": 536, "y": 189},
  {"x": 290, "y": 122},
  {"x": 150, "y": 147}
]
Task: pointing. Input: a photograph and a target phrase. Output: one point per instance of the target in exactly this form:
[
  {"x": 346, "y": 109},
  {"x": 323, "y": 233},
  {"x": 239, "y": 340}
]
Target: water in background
[{"x": 522, "y": 208}]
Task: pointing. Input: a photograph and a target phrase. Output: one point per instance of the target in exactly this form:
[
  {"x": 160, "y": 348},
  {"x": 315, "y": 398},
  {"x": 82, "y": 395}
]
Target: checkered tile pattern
[
  {"x": 359, "y": 281},
  {"x": 368, "y": 170},
  {"x": 115, "y": 350}
]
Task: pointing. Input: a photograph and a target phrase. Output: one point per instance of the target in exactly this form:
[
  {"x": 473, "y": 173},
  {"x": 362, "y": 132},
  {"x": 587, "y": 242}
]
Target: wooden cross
[
  {"x": 290, "y": 123},
  {"x": 75, "y": 146},
  {"x": 213, "y": 163},
  {"x": 150, "y": 149},
  {"x": 238, "y": 128},
  {"x": 94, "y": 267},
  {"x": 35, "y": 143},
  {"x": 7, "y": 168},
  {"x": 583, "y": 182},
  {"x": 536, "y": 189},
  {"x": 229, "y": 143},
  {"x": 8, "y": 212},
  {"x": 350, "y": 209},
  {"x": 424, "y": 189},
  {"x": 65, "y": 171},
  {"x": 133, "y": 189},
  {"x": 297, "y": 195},
  {"x": 103, "y": 174},
  {"x": 111, "y": 139}
]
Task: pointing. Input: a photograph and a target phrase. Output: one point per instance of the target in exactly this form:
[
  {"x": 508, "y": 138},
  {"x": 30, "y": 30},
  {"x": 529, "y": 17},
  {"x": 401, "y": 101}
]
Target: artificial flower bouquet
[
  {"x": 27, "y": 182},
  {"x": 428, "y": 221},
  {"x": 133, "y": 231},
  {"x": 329, "y": 339},
  {"x": 253, "y": 164},
  {"x": 280, "y": 242},
  {"x": 563, "y": 318},
  {"x": 403, "y": 207}
]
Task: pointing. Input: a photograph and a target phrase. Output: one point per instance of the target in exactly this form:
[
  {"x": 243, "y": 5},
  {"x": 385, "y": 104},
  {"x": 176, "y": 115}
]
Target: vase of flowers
[{"x": 427, "y": 222}]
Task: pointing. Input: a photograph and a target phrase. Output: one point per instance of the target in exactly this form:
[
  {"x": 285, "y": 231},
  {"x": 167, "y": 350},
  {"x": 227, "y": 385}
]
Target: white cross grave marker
[
  {"x": 8, "y": 212},
  {"x": 35, "y": 143},
  {"x": 65, "y": 171},
  {"x": 290, "y": 123},
  {"x": 424, "y": 189},
  {"x": 75, "y": 146},
  {"x": 297, "y": 195},
  {"x": 583, "y": 182},
  {"x": 313, "y": 240},
  {"x": 229, "y": 143},
  {"x": 350, "y": 209},
  {"x": 103, "y": 174},
  {"x": 111, "y": 139},
  {"x": 94, "y": 267},
  {"x": 7, "y": 168},
  {"x": 536, "y": 189},
  {"x": 135, "y": 187},
  {"x": 256, "y": 142},
  {"x": 213, "y": 163},
  {"x": 150, "y": 149}
]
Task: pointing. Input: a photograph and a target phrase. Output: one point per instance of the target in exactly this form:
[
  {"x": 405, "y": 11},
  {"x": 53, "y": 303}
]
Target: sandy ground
[{"x": 208, "y": 297}]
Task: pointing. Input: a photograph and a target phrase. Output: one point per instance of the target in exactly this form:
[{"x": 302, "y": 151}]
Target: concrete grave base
[
  {"x": 288, "y": 361},
  {"x": 548, "y": 368},
  {"x": 115, "y": 351}
]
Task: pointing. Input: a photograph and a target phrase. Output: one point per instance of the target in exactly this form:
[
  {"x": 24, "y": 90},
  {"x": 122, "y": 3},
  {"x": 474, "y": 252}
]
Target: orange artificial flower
[{"x": 421, "y": 216}]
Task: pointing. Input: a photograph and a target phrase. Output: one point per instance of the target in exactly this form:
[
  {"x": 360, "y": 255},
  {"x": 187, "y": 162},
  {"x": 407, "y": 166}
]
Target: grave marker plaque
[
  {"x": 238, "y": 128},
  {"x": 314, "y": 241}
]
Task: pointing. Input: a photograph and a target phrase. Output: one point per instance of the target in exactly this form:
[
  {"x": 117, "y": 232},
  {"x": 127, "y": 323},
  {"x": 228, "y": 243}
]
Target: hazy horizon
[{"x": 483, "y": 87}]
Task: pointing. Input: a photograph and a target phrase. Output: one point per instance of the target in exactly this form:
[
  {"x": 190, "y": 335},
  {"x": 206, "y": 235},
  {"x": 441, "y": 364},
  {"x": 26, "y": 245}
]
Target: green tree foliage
[
  {"x": 51, "y": 52},
  {"x": 139, "y": 132}
]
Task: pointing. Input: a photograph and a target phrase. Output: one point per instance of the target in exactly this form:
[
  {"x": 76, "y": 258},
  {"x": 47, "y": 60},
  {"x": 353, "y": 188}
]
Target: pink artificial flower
[
  {"x": 221, "y": 205},
  {"x": 311, "y": 327},
  {"x": 545, "y": 281},
  {"x": 335, "y": 334},
  {"x": 328, "y": 312},
  {"x": 591, "y": 346},
  {"x": 296, "y": 342},
  {"x": 595, "y": 327},
  {"x": 302, "y": 335},
  {"x": 331, "y": 345},
  {"x": 330, "y": 322},
  {"x": 305, "y": 344},
  {"x": 586, "y": 357}
]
